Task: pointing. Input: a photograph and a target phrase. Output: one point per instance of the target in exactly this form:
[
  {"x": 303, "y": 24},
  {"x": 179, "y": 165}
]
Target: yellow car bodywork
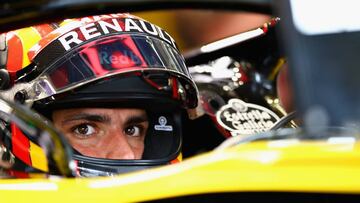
[{"x": 280, "y": 165}]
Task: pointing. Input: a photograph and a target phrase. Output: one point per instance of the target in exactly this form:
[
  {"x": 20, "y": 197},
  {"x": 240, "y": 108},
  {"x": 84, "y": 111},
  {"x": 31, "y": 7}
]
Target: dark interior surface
[{"x": 266, "y": 197}]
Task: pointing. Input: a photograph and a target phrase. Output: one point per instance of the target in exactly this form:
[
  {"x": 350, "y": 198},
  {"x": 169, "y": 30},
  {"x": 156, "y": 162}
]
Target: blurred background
[{"x": 192, "y": 28}]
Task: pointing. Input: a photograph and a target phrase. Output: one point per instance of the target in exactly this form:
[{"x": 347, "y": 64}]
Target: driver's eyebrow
[
  {"x": 135, "y": 119},
  {"x": 88, "y": 117}
]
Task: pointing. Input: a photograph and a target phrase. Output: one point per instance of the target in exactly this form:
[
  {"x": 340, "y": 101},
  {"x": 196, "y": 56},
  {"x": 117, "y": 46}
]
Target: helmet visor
[{"x": 111, "y": 56}]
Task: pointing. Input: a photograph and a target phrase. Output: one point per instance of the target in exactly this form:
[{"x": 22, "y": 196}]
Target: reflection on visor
[{"x": 107, "y": 57}]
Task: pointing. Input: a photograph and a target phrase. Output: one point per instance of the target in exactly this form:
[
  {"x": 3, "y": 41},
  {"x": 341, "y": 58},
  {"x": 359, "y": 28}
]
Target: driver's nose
[{"x": 119, "y": 147}]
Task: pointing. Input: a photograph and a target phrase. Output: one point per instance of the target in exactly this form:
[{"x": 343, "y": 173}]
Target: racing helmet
[{"x": 107, "y": 61}]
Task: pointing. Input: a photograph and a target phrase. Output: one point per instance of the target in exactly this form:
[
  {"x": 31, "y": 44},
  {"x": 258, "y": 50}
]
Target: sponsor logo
[
  {"x": 162, "y": 125},
  {"x": 242, "y": 118},
  {"x": 109, "y": 26},
  {"x": 126, "y": 58}
]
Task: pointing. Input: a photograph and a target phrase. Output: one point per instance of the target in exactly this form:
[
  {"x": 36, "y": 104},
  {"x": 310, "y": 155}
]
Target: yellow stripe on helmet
[
  {"x": 38, "y": 157},
  {"x": 29, "y": 37}
]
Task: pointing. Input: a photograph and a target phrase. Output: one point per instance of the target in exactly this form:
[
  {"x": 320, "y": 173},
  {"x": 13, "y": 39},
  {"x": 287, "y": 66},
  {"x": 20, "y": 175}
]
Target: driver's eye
[
  {"x": 83, "y": 130},
  {"x": 133, "y": 131}
]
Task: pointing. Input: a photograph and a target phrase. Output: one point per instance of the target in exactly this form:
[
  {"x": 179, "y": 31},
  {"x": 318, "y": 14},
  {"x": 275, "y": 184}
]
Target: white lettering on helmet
[
  {"x": 105, "y": 25},
  {"x": 165, "y": 36},
  {"x": 153, "y": 30},
  {"x": 68, "y": 38},
  {"x": 89, "y": 31},
  {"x": 161, "y": 34},
  {"x": 171, "y": 39},
  {"x": 96, "y": 18},
  {"x": 130, "y": 25}
]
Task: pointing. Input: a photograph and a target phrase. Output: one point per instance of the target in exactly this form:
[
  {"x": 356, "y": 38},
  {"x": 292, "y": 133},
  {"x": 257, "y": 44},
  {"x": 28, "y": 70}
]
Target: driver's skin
[{"x": 111, "y": 133}]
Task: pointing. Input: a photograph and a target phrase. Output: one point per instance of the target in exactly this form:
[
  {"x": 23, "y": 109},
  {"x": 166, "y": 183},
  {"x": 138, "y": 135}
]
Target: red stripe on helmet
[
  {"x": 175, "y": 90},
  {"x": 15, "y": 53},
  {"x": 20, "y": 145}
]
